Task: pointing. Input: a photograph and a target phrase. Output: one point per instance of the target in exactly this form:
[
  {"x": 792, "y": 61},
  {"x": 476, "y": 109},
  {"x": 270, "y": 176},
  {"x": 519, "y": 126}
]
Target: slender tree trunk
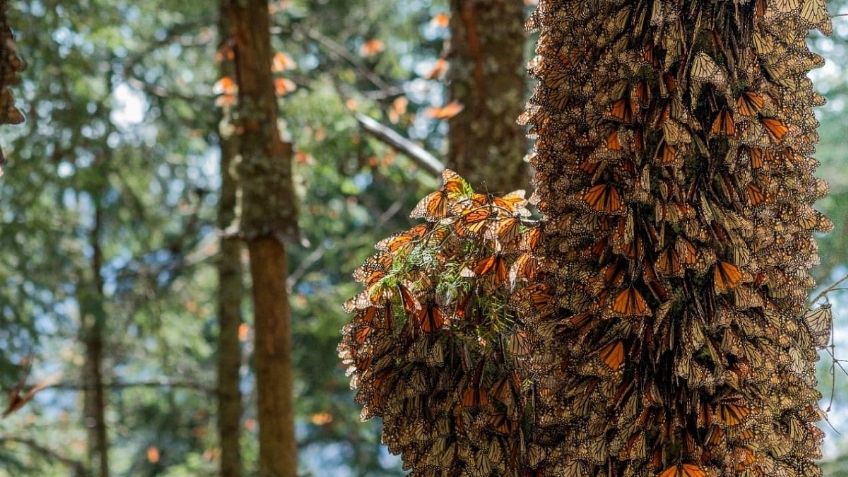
[
  {"x": 230, "y": 290},
  {"x": 91, "y": 307},
  {"x": 268, "y": 218},
  {"x": 487, "y": 76}
]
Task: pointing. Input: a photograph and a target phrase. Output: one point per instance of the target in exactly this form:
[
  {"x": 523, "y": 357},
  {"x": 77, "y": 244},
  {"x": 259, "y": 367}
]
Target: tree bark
[
  {"x": 487, "y": 76},
  {"x": 230, "y": 290},
  {"x": 91, "y": 307},
  {"x": 268, "y": 217}
]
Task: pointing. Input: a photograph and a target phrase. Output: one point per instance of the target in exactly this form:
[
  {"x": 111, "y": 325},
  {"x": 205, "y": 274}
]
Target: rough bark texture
[
  {"x": 93, "y": 316},
  {"x": 230, "y": 290},
  {"x": 487, "y": 76},
  {"x": 268, "y": 216}
]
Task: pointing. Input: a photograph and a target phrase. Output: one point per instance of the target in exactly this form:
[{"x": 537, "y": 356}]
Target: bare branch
[
  {"x": 191, "y": 385},
  {"x": 403, "y": 145}
]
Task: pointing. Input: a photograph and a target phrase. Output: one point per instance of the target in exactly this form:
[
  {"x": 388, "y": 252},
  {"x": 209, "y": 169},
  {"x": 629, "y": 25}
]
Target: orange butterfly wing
[
  {"x": 775, "y": 128},
  {"x": 613, "y": 355}
]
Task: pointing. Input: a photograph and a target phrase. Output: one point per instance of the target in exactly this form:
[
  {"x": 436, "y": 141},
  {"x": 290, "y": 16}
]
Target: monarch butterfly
[
  {"x": 613, "y": 142},
  {"x": 668, "y": 155},
  {"x": 431, "y": 318},
  {"x": 683, "y": 470},
  {"x": 525, "y": 267},
  {"x": 758, "y": 157},
  {"x": 642, "y": 94},
  {"x": 512, "y": 203},
  {"x": 731, "y": 413},
  {"x": 411, "y": 305},
  {"x": 629, "y": 302},
  {"x": 503, "y": 388},
  {"x": 622, "y": 110},
  {"x": 755, "y": 195},
  {"x": 508, "y": 230},
  {"x": 750, "y": 103},
  {"x": 362, "y": 334},
  {"x": 820, "y": 322},
  {"x": 475, "y": 396},
  {"x": 436, "y": 206},
  {"x": 536, "y": 297},
  {"x": 18, "y": 398},
  {"x": 519, "y": 343},
  {"x": 706, "y": 70},
  {"x": 814, "y": 12},
  {"x": 473, "y": 222},
  {"x": 668, "y": 263},
  {"x": 723, "y": 124},
  {"x": 775, "y": 128},
  {"x": 445, "y": 112},
  {"x": 401, "y": 240},
  {"x": 530, "y": 239},
  {"x": 494, "y": 263},
  {"x": 603, "y": 198},
  {"x": 500, "y": 423},
  {"x": 613, "y": 355},
  {"x": 726, "y": 277}
]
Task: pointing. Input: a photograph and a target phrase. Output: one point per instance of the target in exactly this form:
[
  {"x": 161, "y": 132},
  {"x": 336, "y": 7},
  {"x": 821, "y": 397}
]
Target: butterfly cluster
[
  {"x": 437, "y": 347},
  {"x": 10, "y": 68},
  {"x": 673, "y": 142},
  {"x": 662, "y": 328}
]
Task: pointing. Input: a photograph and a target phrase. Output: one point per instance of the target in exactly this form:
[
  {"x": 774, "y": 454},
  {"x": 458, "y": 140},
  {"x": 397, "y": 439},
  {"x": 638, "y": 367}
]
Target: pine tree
[
  {"x": 268, "y": 218},
  {"x": 230, "y": 285}
]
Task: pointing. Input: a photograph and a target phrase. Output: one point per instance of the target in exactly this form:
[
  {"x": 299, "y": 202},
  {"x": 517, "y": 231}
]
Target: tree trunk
[
  {"x": 230, "y": 290},
  {"x": 487, "y": 76},
  {"x": 93, "y": 316},
  {"x": 268, "y": 218}
]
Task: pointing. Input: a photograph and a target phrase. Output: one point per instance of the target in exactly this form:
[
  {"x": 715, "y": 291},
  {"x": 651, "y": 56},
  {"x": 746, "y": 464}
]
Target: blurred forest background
[{"x": 109, "y": 208}]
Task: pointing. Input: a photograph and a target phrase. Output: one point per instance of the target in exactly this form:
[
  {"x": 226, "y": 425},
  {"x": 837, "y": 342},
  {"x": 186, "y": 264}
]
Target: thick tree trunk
[
  {"x": 487, "y": 76},
  {"x": 268, "y": 216},
  {"x": 230, "y": 290},
  {"x": 94, "y": 399}
]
